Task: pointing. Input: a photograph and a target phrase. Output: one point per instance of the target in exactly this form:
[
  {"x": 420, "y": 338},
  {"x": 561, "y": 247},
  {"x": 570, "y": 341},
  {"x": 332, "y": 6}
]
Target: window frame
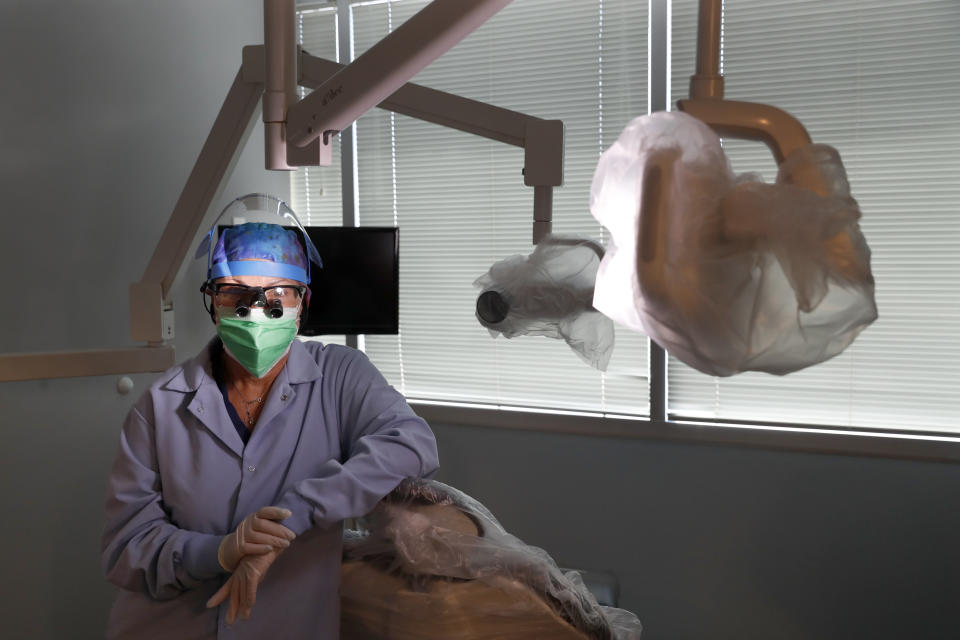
[
  {"x": 780, "y": 437},
  {"x": 661, "y": 425}
]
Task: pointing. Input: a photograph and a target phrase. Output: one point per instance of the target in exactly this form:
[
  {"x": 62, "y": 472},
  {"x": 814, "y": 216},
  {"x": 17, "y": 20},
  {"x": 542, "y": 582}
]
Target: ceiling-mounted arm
[
  {"x": 151, "y": 306},
  {"x": 280, "y": 78},
  {"x": 385, "y": 67},
  {"x": 542, "y": 140},
  {"x": 707, "y": 81},
  {"x": 150, "y": 296},
  {"x": 279, "y": 72},
  {"x": 776, "y": 128}
]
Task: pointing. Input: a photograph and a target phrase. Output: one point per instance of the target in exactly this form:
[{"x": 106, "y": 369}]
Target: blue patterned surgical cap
[{"x": 259, "y": 249}]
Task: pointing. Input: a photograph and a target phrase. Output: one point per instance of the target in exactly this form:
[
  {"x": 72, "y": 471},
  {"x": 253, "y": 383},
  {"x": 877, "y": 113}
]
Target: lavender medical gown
[{"x": 332, "y": 439}]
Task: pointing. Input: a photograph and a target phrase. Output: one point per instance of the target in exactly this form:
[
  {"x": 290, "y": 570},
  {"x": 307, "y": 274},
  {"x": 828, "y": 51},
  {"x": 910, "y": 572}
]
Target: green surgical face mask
[{"x": 256, "y": 341}]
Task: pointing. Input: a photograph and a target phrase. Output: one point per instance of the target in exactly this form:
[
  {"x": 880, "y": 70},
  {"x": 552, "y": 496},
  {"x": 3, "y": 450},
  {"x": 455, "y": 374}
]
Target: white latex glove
[
  {"x": 259, "y": 533},
  {"x": 241, "y": 587}
]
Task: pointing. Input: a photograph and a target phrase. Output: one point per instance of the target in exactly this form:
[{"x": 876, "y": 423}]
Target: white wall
[{"x": 105, "y": 107}]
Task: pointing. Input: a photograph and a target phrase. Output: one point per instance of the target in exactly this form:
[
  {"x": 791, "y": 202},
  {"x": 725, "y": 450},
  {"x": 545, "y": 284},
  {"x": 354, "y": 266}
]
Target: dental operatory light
[
  {"x": 549, "y": 293},
  {"x": 725, "y": 272}
]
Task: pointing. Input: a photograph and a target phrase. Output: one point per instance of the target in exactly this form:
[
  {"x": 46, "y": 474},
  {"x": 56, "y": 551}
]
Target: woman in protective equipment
[{"x": 236, "y": 468}]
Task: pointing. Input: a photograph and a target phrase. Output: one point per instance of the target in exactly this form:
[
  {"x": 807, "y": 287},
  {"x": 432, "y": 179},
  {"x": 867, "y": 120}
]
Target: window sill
[{"x": 905, "y": 446}]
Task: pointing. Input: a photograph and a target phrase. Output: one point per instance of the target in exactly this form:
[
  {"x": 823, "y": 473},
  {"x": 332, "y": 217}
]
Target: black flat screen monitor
[{"x": 358, "y": 288}]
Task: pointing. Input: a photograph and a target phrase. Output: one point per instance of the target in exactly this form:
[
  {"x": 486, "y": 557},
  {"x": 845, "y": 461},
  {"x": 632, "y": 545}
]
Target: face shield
[
  {"x": 264, "y": 209},
  {"x": 266, "y": 241}
]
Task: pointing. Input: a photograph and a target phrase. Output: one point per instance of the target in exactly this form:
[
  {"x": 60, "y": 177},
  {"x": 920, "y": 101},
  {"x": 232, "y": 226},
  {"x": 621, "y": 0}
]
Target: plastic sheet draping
[
  {"x": 549, "y": 293},
  {"x": 726, "y": 272},
  {"x": 437, "y": 564}
]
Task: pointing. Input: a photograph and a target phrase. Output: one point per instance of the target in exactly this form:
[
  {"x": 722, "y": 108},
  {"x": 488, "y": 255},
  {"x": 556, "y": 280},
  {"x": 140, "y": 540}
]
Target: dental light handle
[{"x": 776, "y": 128}]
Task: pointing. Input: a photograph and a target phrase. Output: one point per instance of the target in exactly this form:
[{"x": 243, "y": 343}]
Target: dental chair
[{"x": 435, "y": 563}]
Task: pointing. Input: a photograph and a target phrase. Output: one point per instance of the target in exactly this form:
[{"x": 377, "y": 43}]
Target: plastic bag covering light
[
  {"x": 725, "y": 272},
  {"x": 549, "y": 293}
]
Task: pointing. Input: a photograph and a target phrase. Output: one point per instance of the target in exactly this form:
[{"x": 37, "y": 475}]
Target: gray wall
[
  {"x": 105, "y": 108},
  {"x": 730, "y": 543}
]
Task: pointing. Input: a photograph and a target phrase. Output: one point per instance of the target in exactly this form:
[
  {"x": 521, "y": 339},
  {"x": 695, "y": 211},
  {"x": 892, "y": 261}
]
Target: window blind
[
  {"x": 879, "y": 81},
  {"x": 874, "y": 80},
  {"x": 460, "y": 202}
]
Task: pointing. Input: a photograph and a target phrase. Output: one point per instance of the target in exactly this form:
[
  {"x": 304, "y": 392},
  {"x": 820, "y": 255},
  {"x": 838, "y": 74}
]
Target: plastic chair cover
[{"x": 437, "y": 564}]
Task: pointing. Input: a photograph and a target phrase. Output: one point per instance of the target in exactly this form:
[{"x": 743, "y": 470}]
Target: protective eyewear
[{"x": 243, "y": 298}]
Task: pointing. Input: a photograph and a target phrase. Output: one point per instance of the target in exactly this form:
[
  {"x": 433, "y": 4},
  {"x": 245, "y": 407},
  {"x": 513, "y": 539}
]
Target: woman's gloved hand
[
  {"x": 241, "y": 586},
  {"x": 258, "y": 534}
]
